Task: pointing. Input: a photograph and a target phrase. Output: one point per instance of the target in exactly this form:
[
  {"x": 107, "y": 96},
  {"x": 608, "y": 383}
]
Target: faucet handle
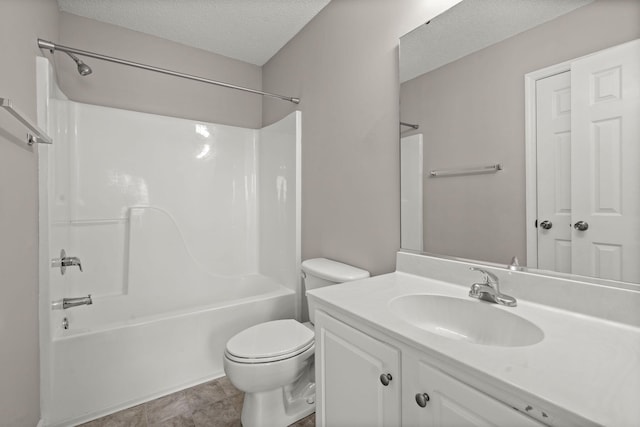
[
  {"x": 72, "y": 260},
  {"x": 493, "y": 294},
  {"x": 65, "y": 261},
  {"x": 489, "y": 277}
]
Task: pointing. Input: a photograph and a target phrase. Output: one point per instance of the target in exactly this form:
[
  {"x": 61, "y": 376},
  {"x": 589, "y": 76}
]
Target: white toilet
[{"x": 272, "y": 362}]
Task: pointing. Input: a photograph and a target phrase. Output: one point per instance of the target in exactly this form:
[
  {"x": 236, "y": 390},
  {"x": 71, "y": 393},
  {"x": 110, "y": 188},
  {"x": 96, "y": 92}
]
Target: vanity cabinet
[
  {"x": 357, "y": 377},
  {"x": 365, "y": 379}
]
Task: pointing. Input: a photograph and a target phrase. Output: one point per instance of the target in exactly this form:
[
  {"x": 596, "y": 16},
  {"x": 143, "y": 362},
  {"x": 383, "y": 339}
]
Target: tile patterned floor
[{"x": 214, "y": 404}]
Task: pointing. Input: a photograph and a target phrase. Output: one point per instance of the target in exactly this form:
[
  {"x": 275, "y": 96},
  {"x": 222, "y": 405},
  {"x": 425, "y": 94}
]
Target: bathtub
[
  {"x": 161, "y": 328},
  {"x": 120, "y": 364}
]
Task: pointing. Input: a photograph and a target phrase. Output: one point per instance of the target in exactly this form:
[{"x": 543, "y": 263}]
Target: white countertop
[{"x": 584, "y": 367}]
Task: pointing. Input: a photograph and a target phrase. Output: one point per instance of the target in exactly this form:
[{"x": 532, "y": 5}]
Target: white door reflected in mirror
[{"x": 586, "y": 154}]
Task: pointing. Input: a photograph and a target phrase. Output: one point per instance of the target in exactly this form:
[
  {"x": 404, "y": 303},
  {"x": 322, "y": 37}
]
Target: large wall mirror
[{"x": 519, "y": 135}]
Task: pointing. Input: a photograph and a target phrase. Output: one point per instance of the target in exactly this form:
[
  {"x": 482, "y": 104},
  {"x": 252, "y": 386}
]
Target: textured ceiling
[
  {"x": 249, "y": 30},
  {"x": 472, "y": 25}
]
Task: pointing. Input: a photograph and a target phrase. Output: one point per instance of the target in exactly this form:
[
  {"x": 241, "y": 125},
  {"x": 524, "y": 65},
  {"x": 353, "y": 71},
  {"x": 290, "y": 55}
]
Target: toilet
[{"x": 273, "y": 362}]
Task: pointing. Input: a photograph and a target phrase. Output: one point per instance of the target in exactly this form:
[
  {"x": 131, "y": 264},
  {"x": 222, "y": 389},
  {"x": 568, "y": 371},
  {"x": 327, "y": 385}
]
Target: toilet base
[{"x": 280, "y": 407}]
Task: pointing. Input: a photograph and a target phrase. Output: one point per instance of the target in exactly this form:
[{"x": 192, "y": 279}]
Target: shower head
[{"x": 83, "y": 68}]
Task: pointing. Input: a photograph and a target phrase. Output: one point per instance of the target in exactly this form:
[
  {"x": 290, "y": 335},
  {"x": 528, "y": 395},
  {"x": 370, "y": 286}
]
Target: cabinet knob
[
  {"x": 385, "y": 379},
  {"x": 422, "y": 399}
]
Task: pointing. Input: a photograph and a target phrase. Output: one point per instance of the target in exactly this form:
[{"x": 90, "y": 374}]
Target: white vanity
[{"x": 411, "y": 348}]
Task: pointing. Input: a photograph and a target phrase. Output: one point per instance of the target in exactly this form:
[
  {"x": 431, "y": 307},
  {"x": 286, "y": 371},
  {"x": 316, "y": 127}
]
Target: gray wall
[
  {"x": 118, "y": 86},
  {"x": 22, "y": 22},
  {"x": 471, "y": 112},
  {"x": 344, "y": 67}
]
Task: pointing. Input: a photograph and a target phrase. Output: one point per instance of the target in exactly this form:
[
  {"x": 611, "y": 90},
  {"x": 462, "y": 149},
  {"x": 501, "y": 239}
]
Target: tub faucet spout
[{"x": 74, "y": 302}]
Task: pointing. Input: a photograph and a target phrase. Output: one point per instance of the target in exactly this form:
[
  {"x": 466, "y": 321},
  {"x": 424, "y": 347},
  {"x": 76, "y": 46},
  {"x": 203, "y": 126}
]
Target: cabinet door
[
  {"x": 453, "y": 404},
  {"x": 349, "y": 366}
]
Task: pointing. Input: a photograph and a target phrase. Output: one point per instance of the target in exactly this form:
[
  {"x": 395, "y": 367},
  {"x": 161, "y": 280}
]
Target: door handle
[
  {"x": 581, "y": 226},
  {"x": 546, "y": 224}
]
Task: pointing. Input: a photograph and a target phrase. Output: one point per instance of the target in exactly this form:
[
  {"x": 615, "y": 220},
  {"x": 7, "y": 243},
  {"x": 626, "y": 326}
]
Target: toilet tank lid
[{"x": 333, "y": 270}]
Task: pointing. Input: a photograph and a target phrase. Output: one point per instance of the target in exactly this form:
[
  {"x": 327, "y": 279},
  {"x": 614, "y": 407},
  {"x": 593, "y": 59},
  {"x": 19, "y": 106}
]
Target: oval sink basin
[{"x": 469, "y": 320}]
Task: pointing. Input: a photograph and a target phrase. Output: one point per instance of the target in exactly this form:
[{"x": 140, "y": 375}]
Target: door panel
[
  {"x": 553, "y": 130},
  {"x": 605, "y": 178}
]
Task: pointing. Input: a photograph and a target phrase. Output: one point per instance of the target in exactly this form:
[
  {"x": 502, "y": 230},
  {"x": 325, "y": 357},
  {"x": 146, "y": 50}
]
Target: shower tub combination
[{"x": 187, "y": 232}]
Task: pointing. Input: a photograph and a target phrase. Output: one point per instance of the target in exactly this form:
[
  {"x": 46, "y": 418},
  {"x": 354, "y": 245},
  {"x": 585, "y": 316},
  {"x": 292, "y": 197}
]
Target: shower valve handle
[
  {"x": 66, "y": 261},
  {"x": 71, "y": 261}
]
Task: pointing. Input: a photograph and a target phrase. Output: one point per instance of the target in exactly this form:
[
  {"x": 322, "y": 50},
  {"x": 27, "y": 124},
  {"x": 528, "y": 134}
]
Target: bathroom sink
[{"x": 469, "y": 320}]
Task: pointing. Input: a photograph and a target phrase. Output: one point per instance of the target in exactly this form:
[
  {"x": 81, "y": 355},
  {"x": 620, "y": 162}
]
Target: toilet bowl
[{"x": 273, "y": 362}]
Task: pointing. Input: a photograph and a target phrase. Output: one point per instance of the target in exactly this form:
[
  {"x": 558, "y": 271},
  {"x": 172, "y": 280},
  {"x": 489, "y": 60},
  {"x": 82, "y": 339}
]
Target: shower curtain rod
[{"x": 44, "y": 44}]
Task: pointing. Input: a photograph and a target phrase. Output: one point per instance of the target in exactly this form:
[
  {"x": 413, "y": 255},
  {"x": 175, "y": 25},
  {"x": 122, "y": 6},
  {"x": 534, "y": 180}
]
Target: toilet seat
[{"x": 270, "y": 342}]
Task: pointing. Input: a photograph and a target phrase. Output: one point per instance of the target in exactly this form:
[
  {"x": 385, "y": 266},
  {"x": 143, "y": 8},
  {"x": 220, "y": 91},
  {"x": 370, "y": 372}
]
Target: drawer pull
[{"x": 422, "y": 399}]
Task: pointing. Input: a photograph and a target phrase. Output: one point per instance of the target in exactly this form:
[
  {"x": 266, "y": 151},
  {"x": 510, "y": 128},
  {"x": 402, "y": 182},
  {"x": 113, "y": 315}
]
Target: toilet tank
[{"x": 320, "y": 272}]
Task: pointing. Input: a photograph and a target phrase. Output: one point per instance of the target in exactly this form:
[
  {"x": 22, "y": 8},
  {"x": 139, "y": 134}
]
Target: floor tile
[
  {"x": 179, "y": 421},
  {"x": 218, "y": 414},
  {"x": 228, "y": 388},
  {"x": 237, "y": 401},
  {"x": 205, "y": 394},
  {"x": 212, "y": 404},
  {"x": 167, "y": 407},
  {"x": 308, "y": 421}
]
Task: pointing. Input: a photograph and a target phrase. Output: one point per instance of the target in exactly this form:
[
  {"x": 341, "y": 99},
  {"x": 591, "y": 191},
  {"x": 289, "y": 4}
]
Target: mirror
[{"x": 471, "y": 172}]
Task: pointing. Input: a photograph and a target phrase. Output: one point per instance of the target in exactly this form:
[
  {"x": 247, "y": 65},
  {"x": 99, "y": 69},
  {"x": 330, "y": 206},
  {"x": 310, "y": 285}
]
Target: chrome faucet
[
  {"x": 74, "y": 302},
  {"x": 489, "y": 290}
]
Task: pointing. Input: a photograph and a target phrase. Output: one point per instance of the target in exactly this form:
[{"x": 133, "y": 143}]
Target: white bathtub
[{"x": 97, "y": 372}]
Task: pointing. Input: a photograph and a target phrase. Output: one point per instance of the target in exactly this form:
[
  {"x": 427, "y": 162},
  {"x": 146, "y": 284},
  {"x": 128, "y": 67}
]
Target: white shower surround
[{"x": 188, "y": 232}]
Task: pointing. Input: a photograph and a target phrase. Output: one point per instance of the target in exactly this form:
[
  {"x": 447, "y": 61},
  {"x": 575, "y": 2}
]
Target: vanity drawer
[{"x": 434, "y": 399}]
